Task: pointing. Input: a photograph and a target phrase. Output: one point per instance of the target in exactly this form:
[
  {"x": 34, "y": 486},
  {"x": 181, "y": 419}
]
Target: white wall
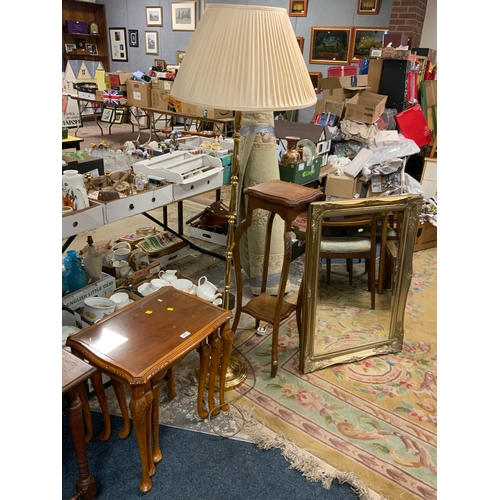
[{"x": 429, "y": 31}]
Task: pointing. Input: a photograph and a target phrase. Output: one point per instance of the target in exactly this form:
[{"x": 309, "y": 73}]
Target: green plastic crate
[{"x": 300, "y": 173}]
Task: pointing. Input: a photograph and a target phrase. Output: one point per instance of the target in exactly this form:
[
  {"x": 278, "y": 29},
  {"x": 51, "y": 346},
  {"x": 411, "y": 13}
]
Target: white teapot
[
  {"x": 73, "y": 188},
  {"x": 206, "y": 290}
]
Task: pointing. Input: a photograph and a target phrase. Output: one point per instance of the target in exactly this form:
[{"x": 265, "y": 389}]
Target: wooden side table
[
  {"x": 288, "y": 200},
  {"x": 74, "y": 373},
  {"x": 137, "y": 345}
]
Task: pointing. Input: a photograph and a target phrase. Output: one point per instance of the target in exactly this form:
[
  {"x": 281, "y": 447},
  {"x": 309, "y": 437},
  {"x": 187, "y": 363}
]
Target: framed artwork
[
  {"x": 160, "y": 63},
  {"x": 107, "y": 115},
  {"x": 183, "y": 16},
  {"x": 70, "y": 48},
  {"x": 300, "y": 41},
  {"x": 118, "y": 43},
  {"x": 133, "y": 38},
  {"x": 330, "y": 45},
  {"x": 368, "y": 6},
  {"x": 365, "y": 39},
  {"x": 298, "y": 8},
  {"x": 92, "y": 48},
  {"x": 154, "y": 16},
  {"x": 180, "y": 56},
  {"x": 315, "y": 76},
  {"x": 80, "y": 43},
  {"x": 151, "y": 42}
]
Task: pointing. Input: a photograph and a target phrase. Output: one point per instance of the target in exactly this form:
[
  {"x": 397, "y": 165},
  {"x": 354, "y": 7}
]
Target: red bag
[{"x": 412, "y": 124}]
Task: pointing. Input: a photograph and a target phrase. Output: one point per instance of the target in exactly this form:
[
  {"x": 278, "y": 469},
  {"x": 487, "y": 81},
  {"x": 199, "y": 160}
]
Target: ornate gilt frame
[{"x": 409, "y": 206}]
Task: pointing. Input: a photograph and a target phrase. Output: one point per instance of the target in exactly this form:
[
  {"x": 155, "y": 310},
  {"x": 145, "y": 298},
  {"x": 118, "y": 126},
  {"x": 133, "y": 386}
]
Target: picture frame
[
  {"x": 80, "y": 43},
  {"x": 298, "y": 8},
  {"x": 300, "y": 41},
  {"x": 133, "y": 38},
  {"x": 154, "y": 16},
  {"x": 315, "y": 76},
  {"x": 364, "y": 39},
  {"x": 151, "y": 38},
  {"x": 180, "y": 56},
  {"x": 108, "y": 115},
  {"x": 330, "y": 45},
  {"x": 70, "y": 48},
  {"x": 118, "y": 44},
  {"x": 160, "y": 63},
  {"x": 368, "y": 6},
  {"x": 92, "y": 49},
  {"x": 183, "y": 16}
]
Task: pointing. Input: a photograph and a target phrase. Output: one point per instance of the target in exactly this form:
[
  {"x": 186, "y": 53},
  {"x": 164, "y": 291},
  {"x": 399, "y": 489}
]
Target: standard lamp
[{"x": 245, "y": 58}]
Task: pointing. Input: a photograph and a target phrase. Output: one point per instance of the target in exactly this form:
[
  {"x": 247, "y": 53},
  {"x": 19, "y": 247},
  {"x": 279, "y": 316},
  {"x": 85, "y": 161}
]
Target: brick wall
[{"x": 407, "y": 17}]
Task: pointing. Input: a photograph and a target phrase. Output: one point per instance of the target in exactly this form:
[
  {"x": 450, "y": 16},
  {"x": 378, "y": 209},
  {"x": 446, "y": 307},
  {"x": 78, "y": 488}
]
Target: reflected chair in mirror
[{"x": 361, "y": 246}]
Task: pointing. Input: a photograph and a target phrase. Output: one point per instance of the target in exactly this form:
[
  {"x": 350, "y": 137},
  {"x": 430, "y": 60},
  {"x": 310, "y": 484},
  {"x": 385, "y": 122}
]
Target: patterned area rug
[{"x": 371, "y": 423}]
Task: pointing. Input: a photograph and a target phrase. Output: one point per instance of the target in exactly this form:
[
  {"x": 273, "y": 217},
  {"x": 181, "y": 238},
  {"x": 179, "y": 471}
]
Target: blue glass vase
[{"x": 76, "y": 277}]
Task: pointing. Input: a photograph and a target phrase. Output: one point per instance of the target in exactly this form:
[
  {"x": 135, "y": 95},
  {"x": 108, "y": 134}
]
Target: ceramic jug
[
  {"x": 73, "y": 190},
  {"x": 206, "y": 290}
]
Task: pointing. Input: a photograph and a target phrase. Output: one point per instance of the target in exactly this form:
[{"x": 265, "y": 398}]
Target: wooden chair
[{"x": 360, "y": 246}]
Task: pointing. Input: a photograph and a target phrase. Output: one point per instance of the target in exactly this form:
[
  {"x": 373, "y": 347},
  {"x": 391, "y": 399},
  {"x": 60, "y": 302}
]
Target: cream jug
[{"x": 73, "y": 188}]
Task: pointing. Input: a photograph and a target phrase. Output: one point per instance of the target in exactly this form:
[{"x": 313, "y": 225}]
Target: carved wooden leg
[
  {"x": 122, "y": 401},
  {"x": 86, "y": 486},
  {"x": 155, "y": 420},
  {"x": 216, "y": 348},
  {"x": 82, "y": 392},
  {"x": 101, "y": 396},
  {"x": 204, "y": 351},
  {"x": 140, "y": 404},
  {"x": 227, "y": 346}
]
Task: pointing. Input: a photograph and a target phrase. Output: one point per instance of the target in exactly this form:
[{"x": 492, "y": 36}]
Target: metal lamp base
[{"x": 236, "y": 374}]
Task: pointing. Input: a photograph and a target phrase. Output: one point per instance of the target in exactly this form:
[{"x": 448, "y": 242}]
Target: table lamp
[{"x": 244, "y": 58}]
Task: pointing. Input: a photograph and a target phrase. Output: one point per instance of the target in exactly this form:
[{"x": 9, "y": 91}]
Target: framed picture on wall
[
  {"x": 330, "y": 45},
  {"x": 154, "y": 16},
  {"x": 315, "y": 76},
  {"x": 118, "y": 43},
  {"x": 180, "y": 56},
  {"x": 70, "y": 48},
  {"x": 133, "y": 38},
  {"x": 92, "y": 48},
  {"x": 365, "y": 39},
  {"x": 298, "y": 8},
  {"x": 300, "y": 41},
  {"x": 151, "y": 42},
  {"x": 183, "y": 16},
  {"x": 368, "y": 6}
]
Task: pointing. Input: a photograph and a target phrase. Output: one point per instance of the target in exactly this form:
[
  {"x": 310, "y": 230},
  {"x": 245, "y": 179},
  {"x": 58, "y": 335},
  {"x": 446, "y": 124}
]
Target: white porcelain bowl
[
  {"x": 95, "y": 308},
  {"x": 121, "y": 299},
  {"x": 183, "y": 285}
]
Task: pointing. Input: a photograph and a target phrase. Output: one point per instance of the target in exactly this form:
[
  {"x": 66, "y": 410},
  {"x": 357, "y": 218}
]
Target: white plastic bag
[{"x": 412, "y": 186}]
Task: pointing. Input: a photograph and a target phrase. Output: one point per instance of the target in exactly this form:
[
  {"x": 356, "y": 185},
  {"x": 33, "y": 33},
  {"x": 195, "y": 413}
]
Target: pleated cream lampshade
[{"x": 244, "y": 58}]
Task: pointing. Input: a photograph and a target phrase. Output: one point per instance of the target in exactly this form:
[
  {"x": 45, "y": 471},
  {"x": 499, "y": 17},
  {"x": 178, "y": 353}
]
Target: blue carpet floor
[{"x": 194, "y": 466}]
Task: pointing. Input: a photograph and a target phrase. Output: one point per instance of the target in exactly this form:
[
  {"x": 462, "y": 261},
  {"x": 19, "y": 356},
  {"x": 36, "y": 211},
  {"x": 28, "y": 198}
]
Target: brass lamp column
[{"x": 243, "y": 58}]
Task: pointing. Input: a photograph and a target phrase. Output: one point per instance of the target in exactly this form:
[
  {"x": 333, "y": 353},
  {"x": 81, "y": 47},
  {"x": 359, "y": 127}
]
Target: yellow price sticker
[{"x": 149, "y": 311}]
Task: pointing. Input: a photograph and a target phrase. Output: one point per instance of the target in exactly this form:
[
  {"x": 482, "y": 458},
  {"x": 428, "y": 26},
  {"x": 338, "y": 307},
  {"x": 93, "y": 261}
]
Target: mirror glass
[{"x": 337, "y": 321}]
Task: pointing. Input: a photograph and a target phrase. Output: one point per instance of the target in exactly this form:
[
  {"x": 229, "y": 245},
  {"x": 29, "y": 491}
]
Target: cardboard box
[
  {"x": 426, "y": 237},
  {"x": 161, "y": 85},
  {"x": 403, "y": 55},
  {"x": 138, "y": 93},
  {"x": 431, "y": 54},
  {"x": 78, "y": 221},
  {"x": 119, "y": 78},
  {"x": 87, "y": 95},
  {"x": 106, "y": 284},
  {"x": 189, "y": 109},
  {"x": 375, "y": 74},
  {"x": 343, "y": 186},
  {"x": 174, "y": 105},
  {"x": 340, "y": 88},
  {"x": 214, "y": 113},
  {"x": 159, "y": 98},
  {"x": 300, "y": 173},
  {"x": 358, "y": 162},
  {"x": 342, "y": 71},
  {"x": 327, "y": 106},
  {"x": 365, "y": 107}
]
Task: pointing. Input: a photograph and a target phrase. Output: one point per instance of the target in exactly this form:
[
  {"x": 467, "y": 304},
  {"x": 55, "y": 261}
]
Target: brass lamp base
[{"x": 236, "y": 374}]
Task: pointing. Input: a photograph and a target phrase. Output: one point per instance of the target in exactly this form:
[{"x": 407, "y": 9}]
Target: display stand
[{"x": 288, "y": 200}]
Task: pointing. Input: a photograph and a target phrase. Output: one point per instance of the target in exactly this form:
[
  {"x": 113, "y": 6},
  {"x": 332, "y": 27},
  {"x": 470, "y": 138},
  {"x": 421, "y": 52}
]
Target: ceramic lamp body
[{"x": 92, "y": 262}]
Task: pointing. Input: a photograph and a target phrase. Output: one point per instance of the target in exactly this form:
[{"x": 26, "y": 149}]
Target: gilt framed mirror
[{"x": 337, "y": 324}]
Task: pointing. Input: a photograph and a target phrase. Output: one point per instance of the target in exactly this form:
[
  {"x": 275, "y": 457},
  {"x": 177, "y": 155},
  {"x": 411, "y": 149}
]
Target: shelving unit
[{"x": 74, "y": 10}]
